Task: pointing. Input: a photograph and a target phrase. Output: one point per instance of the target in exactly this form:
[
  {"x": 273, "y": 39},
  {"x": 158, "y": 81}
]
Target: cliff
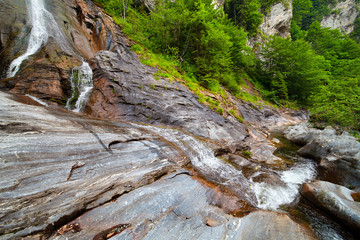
[{"x": 342, "y": 17}]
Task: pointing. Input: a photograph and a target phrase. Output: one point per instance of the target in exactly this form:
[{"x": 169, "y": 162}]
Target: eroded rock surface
[
  {"x": 126, "y": 89},
  {"x": 277, "y": 21},
  {"x": 335, "y": 199},
  {"x": 178, "y": 207},
  {"x": 54, "y": 166},
  {"x": 342, "y": 17}
]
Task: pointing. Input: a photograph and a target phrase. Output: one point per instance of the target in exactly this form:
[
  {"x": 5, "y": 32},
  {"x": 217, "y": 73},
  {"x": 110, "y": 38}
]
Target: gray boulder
[
  {"x": 338, "y": 155},
  {"x": 336, "y": 200}
]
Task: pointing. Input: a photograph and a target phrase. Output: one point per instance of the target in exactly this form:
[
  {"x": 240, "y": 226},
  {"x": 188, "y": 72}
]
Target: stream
[
  {"x": 281, "y": 196},
  {"x": 269, "y": 187},
  {"x": 302, "y": 169}
]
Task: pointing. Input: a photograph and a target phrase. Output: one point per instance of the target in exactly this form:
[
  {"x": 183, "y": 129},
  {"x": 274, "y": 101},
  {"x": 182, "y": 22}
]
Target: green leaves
[
  {"x": 300, "y": 67},
  {"x": 338, "y": 103},
  {"x": 245, "y": 13}
]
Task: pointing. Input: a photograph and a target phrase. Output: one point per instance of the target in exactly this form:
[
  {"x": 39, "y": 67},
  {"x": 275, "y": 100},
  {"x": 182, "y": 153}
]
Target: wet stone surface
[
  {"x": 179, "y": 207},
  {"x": 55, "y": 166}
]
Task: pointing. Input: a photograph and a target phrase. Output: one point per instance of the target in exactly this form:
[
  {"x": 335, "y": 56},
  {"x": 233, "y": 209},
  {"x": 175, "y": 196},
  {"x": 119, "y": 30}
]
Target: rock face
[
  {"x": 343, "y": 16},
  {"x": 336, "y": 200},
  {"x": 166, "y": 210},
  {"x": 278, "y": 20},
  {"x": 56, "y": 165},
  {"x": 338, "y": 155},
  {"x": 126, "y": 89},
  {"x": 12, "y": 17},
  {"x": 84, "y": 31}
]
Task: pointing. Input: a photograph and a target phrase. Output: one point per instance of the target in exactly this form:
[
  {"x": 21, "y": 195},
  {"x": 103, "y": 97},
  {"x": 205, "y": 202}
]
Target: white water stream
[
  {"x": 204, "y": 161},
  {"x": 261, "y": 194},
  {"x": 44, "y": 26},
  {"x": 271, "y": 196},
  {"x": 81, "y": 84}
]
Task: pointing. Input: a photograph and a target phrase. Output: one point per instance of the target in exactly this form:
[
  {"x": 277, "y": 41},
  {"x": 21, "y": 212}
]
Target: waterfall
[
  {"x": 43, "y": 26},
  {"x": 38, "y": 34},
  {"x": 81, "y": 84}
]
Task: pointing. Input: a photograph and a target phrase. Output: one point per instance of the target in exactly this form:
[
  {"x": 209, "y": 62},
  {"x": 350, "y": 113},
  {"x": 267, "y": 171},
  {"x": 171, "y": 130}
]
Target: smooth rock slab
[
  {"x": 126, "y": 89},
  {"x": 179, "y": 207},
  {"x": 335, "y": 199},
  {"x": 54, "y": 165}
]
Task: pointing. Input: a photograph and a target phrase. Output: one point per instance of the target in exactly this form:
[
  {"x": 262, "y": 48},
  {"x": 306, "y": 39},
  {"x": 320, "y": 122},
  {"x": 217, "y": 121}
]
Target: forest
[{"x": 206, "y": 46}]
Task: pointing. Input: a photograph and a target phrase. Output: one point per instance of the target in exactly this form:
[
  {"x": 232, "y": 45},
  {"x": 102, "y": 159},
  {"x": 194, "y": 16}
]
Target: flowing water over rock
[
  {"x": 81, "y": 84},
  {"x": 38, "y": 34},
  {"x": 272, "y": 196},
  {"x": 37, "y": 100},
  {"x": 204, "y": 161},
  {"x": 43, "y": 26}
]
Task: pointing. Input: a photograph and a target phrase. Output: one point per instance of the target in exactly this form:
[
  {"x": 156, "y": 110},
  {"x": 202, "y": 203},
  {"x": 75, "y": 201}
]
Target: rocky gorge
[{"x": 144, "y": 159}]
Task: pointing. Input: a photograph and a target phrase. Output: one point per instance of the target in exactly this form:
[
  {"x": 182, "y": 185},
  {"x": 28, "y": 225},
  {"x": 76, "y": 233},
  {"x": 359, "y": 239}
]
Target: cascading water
[
  {"x": 204, "y": 161},
  {"x": 271, "y": 197},
  {"x": 261, "y": 194},
  {"x": 38, "y": 34},
  {"x": 44, "y": 26},
  {"x": 81, "y": 84}
]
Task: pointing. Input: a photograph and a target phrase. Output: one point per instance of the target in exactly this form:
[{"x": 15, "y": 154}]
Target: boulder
[
  {"x": 338, "y": 155},
  {"x": 336, "y": 200},
  {"x": 301, "y": 133}
]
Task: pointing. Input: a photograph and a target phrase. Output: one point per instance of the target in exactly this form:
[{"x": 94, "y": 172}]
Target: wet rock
[
  {"x": 55, "y": 165},
  {"x": 301, "y": 133},
  {"x": 344, "y": 171},
  {"x": 239, "y": 161},
  {"x": 231, "y": 148},
  {"x": 126, "y": 89},
  {"x": 178, "y": 206},
  {"x": 335, "y": 199},
  {"x": 338, "y": 155},
  {"x": 270, "y": 178}
]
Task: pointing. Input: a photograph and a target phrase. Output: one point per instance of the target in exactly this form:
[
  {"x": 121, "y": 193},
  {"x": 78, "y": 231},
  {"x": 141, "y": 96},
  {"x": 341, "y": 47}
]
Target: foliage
[
  {"x": 305, "y": 12},
  {"x": 292, "y": 68},
  {"x": 247, "y": 153},
  {"x": 205, "y": 47},
  {"x": 248, "y": 13},
  {"x": 338, "y": 103}
]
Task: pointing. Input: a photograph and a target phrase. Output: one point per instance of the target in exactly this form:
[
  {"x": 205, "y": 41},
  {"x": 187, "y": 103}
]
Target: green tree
[
  {"x": 245, "y": 13},
  {"x": 337, "y": 102},
  {"x": 302, "y": 69}
]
